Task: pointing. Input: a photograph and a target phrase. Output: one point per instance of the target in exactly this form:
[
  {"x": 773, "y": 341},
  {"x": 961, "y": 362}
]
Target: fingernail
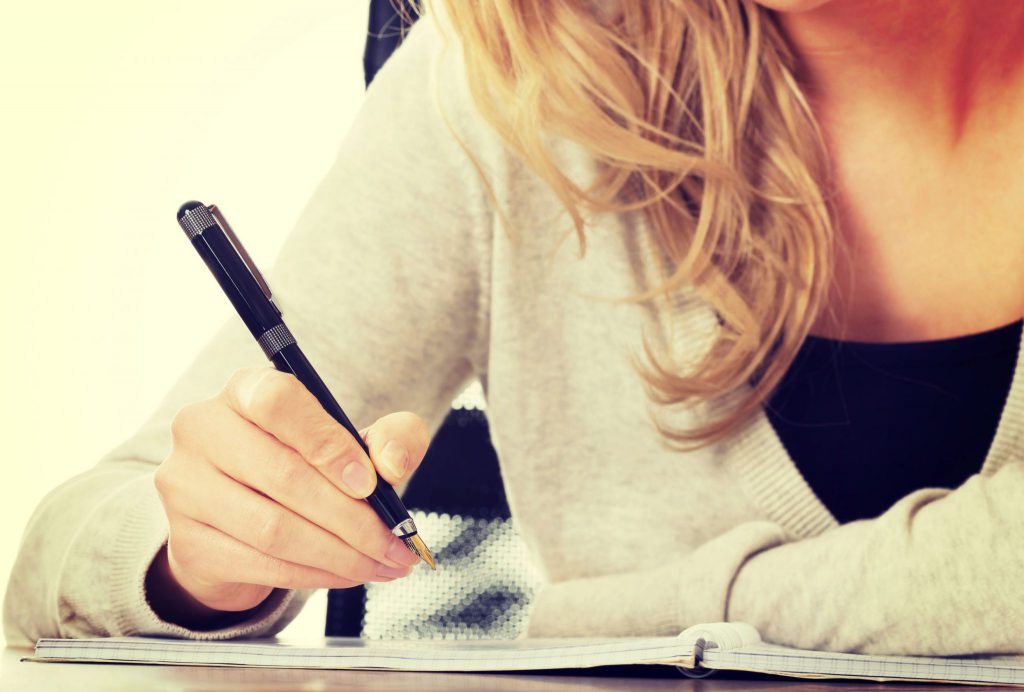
[
  {"x": 391, "y": 572},
  {"x": 358, "y": 479},
  {"x": 397, "y": 552},
  {"x": 395, "y": 458}
]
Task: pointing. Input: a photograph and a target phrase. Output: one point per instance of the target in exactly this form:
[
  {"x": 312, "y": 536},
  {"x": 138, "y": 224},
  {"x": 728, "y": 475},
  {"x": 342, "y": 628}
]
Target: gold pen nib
[{"x": 417, "y": 546}]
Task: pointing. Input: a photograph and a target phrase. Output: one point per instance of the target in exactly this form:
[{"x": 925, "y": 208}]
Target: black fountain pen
[{"x": 236, "y": 273}]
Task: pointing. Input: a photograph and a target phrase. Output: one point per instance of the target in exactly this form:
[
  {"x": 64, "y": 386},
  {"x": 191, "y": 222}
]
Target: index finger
[{"x": 279, "y": 403}]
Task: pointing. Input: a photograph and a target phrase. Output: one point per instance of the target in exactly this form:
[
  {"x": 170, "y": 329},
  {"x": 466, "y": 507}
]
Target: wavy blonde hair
[{"x": 693, "y": 112}]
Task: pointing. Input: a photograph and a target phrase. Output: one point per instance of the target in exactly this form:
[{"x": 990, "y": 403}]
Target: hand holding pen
[{"x": 268, "y": 484}]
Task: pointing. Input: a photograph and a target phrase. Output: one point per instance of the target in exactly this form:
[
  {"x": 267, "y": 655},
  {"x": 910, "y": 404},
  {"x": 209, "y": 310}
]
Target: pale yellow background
[{"x": 113, "y": 113}]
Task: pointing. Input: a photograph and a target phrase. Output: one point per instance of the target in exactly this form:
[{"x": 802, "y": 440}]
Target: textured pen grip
[{"x": 274, "y": 339}]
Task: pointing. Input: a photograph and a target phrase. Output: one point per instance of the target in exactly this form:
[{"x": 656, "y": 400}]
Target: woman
[{"x": 752, "y": 185}]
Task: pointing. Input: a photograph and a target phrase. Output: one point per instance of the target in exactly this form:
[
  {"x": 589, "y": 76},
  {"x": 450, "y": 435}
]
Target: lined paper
[
  {"x": 767, "y": 658},
  {"x": 737, "y": 648},
  {"x": 352, "y": 653}
]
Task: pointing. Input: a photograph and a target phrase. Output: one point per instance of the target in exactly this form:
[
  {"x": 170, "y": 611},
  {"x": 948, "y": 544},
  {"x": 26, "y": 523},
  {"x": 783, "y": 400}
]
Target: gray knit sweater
[{"x": 401, "y": 284}]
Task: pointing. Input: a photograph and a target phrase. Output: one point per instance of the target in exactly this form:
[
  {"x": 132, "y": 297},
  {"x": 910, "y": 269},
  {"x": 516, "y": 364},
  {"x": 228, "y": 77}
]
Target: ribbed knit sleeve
[
  {"x": 937, "y": 574},
  {"x": 383, "y": 281}
]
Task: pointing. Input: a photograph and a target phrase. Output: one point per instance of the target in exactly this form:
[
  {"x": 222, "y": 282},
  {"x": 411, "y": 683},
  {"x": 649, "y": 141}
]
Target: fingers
[
  {"x": 264, "y": 489},
  {"x": 397, "y": 442},
  {"x": 271, "y": 529},
  {"x": 219, "y": 571},
  {"x": 253, "y": 457},
  {"x": 281, "y": 405}
]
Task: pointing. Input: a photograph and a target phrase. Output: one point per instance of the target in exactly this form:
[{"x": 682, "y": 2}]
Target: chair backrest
[
  {"x": 485, "y": 578},
  {"x": 389, "y": 20}
]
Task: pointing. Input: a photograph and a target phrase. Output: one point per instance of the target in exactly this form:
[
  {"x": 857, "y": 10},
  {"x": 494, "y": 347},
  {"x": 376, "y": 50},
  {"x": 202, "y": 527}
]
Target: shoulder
[
  {"x": 422, "y": 101},
  {"x": 422, "y": 90}
]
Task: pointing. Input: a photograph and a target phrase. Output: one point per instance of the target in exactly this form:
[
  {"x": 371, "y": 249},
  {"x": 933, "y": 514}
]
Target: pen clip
[{"x": 240, "y": 249}]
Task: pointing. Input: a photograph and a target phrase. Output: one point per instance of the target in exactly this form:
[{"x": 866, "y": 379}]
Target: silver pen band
[
  {"x": 197, "y": 220},
  {"x": 404, "y": 528},
  {"x": 274, "y": 339}
]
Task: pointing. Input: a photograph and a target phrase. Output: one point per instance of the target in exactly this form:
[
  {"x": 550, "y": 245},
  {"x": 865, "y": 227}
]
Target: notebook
[{"x": 697, "y": 652}]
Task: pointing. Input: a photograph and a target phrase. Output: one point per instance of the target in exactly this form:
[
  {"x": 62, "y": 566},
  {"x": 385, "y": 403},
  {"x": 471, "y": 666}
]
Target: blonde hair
[{"x": 693, "y": 112}]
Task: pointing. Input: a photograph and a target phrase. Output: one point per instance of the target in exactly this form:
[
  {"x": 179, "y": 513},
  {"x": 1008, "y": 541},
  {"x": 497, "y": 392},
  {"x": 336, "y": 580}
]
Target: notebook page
[
  {"x": 351, "y": 653},
  {"x": 768, "y": 658}
]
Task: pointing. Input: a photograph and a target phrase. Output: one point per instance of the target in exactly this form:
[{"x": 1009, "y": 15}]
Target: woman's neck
[
  {"x": 921, "y": 105},
  {"x": 933, "y": 62}
]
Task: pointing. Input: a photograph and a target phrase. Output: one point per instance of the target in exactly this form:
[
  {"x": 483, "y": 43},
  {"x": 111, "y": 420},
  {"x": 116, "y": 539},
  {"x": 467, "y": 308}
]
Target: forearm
[
  {"x": 37, "y": 601},
  {"x": 686, "y": 590},
  {"x": 84, "y": 559},
  {"x": 938, "y": 574}
]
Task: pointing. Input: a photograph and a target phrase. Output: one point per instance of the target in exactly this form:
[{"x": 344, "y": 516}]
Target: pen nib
[{"x": 417, "y": 546}]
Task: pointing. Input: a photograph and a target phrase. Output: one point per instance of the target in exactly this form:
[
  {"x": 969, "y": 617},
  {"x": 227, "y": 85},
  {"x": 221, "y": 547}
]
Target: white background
[{"x": 113, "y": 113}]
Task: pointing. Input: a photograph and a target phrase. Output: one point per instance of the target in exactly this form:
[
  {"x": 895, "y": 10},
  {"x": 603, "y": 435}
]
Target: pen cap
[{"x": 230, "y": 264}]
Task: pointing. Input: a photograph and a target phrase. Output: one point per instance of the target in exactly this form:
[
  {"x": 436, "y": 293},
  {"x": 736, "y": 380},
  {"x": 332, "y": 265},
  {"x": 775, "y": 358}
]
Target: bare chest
[{"x": 926, "y": 255}]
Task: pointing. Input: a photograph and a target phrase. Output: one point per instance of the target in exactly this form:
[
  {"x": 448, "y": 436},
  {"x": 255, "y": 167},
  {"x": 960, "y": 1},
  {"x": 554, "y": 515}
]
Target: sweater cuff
[
  {"x": 105, "y": 572},
  {"x": 663, "y": 601}
]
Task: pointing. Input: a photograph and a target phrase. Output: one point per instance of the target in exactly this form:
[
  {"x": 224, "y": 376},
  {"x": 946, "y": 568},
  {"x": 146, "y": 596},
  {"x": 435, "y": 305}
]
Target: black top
[{"x": 868, "y": 423}]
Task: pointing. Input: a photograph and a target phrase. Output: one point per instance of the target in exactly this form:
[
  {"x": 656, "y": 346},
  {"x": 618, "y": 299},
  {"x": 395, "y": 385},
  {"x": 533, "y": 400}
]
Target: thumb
[{"x": 397, "y": 442}]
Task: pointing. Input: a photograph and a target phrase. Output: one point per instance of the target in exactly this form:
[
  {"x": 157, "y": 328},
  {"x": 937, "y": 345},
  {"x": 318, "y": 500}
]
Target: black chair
[{"x": 484, "y": 580}]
